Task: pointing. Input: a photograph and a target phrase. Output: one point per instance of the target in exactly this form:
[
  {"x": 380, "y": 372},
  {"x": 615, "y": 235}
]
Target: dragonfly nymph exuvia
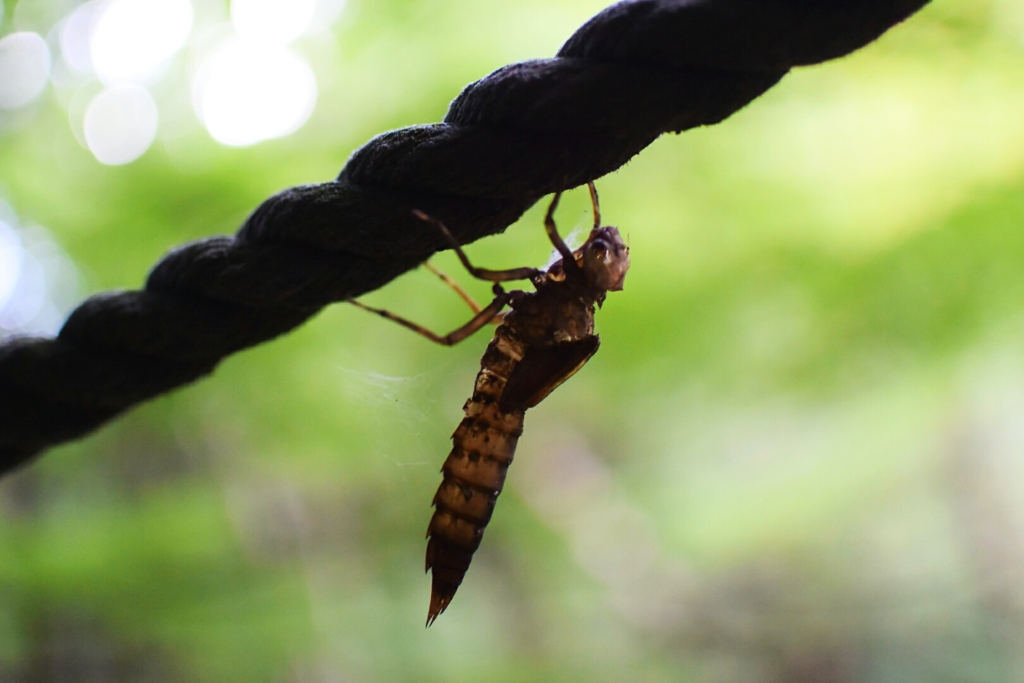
[{"x": 544, "y": 338}]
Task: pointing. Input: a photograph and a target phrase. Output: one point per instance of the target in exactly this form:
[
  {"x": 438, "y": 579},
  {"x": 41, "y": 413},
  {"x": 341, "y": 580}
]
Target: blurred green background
[{"x": 796, "y": 458}]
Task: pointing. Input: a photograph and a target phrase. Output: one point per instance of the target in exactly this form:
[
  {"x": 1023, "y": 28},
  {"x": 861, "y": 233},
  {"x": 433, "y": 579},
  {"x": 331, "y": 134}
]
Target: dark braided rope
[{"x": 634, "y": 71}]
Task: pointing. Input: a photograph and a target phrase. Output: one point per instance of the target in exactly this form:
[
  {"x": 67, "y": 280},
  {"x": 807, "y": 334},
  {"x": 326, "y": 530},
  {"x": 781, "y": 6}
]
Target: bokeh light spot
[
  {"x": 327, "y": 12},
  {"x": 38, "y": 282},
  {"x": 247, "y": 93},
  {"x": 273, "y": 21},
  {"x": 120, "y": 124},
  {"x": 132, "y": 38},
  {"x": 74, "y": 37},
  {"x": 10, "y": 262},
  {"x": 28, "y": 298},
  {"x": 24, "y": 69}
]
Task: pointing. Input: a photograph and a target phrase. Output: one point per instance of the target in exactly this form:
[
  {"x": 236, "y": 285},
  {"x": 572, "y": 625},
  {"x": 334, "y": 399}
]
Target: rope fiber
[{"x": 636, "y": 70}]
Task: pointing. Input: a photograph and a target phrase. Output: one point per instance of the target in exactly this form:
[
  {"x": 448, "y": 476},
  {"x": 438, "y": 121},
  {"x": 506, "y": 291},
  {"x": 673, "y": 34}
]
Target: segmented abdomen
[{"x": 474, "y": 472}]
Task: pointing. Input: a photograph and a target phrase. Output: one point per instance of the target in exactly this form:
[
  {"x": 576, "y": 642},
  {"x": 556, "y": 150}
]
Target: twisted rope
[{"x": 634, "y": 71}]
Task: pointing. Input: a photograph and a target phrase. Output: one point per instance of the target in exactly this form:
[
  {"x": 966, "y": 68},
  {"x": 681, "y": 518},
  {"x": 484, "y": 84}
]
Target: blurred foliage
[{"x": 796, "y": 458}]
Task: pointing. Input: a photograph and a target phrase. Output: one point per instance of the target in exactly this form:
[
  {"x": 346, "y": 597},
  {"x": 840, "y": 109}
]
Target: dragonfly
[{"x": 542, "y": 340}]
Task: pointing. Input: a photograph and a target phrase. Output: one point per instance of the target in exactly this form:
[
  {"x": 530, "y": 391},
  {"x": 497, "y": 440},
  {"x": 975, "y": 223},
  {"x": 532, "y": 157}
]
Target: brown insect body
[{"x": 546, "y": 337}]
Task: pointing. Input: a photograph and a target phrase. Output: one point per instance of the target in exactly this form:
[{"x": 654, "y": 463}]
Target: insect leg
[
  {"x": 595, "y": 203},
  {"x": 556, "y": 239},
  {"x": 462, "y": 293},
  {"x": 482, "y": 318},
  {"x": 479, "y": 273}
]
